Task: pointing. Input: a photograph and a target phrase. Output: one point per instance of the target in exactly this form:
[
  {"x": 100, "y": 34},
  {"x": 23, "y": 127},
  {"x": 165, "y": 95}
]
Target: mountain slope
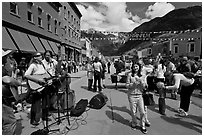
[{"x": 179, "y": 19}]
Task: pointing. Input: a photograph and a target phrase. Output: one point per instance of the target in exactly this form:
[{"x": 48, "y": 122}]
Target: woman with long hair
[{"x": 136, "y": 85}]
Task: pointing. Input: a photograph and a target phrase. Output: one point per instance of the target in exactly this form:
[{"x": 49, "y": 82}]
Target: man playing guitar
[
  {"x": 50, "y": 66},
  {"x": 36, "y": 69}
]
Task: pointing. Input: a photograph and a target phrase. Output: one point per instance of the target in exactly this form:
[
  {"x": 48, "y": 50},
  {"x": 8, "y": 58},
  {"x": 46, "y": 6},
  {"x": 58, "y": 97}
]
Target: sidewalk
[{"x": 114, "y": 118}]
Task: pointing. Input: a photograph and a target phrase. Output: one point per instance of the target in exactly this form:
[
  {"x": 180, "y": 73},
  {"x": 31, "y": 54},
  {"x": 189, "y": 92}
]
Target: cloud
[
  {"x": 107, "y": 16},
  {"x": 159, "y": 9},
  {"x": 114, "y": 16}
]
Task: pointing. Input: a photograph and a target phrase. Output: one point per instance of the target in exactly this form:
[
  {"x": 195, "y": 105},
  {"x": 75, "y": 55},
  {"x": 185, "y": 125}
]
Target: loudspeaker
[{"x": 97, "y": 101}]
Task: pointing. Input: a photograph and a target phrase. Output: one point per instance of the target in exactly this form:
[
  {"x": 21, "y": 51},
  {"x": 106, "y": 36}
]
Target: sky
[{"x": 124, "y": 16}]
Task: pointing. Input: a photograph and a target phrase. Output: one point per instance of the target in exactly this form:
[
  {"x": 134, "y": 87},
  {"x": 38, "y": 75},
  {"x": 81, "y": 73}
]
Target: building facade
[
  {"x": 28, "y": 27},
  {"x": 188, "y": 43},
  {"x": 87, "y": 53}
]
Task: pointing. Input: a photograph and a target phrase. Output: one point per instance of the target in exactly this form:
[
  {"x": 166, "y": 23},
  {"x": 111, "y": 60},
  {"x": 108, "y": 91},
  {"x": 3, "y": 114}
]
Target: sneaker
[
  {"x": 180, "y": 110},
  {"x": 144, "y": 130},
  {"x": 147, "y": 123},
  {"x": 133, "y": 125},
  {"x": 183, "y": 114},
  {"x": 34, "y": 123}
]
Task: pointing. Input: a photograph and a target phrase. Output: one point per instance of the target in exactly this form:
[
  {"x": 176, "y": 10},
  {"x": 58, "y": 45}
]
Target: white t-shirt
[
  {"x": 180, "y": 79},
  {"x": 50, "y": 66},
  {"x": 146, "y": 70},
  {"x": 97, "y": 66},
  {"x": 160, "y": 71},
  {"x": 35, "y": 69}
]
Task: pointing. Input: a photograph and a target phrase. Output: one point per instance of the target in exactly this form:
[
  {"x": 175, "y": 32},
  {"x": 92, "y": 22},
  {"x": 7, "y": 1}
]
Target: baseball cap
[{"x": 4, "y": 53}]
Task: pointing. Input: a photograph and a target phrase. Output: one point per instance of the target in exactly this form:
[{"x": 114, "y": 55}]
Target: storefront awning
[
  {"x": 45, "y": 44},
  {"x": 22, "y": 41},
  {"x": 53, "y": 46},
  {"x": 7, "y": 42},
  {"x": 37, "y": 43},
  {"x": 62, "y": 50},
  {"x": 78, "y": 50},
  {"x": 83, "y": 52}
]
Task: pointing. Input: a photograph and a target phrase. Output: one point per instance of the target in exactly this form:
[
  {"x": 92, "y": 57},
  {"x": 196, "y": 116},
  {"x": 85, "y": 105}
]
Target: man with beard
[{"x": 50, "y": 65}]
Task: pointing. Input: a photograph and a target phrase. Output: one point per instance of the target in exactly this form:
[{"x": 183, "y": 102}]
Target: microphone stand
[{"x": 67, "y": 99}]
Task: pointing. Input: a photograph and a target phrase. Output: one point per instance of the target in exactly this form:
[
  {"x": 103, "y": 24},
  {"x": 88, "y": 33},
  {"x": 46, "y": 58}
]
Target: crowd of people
[
  {"x": 44, "y": 77},
  {"x": 96, "y": 70},
  {"x": 160, "y": 75}
]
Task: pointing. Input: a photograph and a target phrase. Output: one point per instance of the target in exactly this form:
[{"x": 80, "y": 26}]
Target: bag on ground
[{"x": 79, "y": 108}]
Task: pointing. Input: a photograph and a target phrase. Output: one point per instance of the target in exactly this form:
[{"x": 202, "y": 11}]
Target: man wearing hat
[{"x": 9, "y": 95}]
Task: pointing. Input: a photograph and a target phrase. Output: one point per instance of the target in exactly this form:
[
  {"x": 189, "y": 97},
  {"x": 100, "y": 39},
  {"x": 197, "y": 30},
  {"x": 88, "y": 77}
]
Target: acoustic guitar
[{"x": 35, "y": 86}]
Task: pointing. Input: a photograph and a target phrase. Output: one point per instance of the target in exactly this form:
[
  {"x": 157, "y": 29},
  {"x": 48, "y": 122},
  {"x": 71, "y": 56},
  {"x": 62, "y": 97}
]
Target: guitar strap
[
  {"x": 49, "y": 73},
  {"x": 46, "y": 70}
]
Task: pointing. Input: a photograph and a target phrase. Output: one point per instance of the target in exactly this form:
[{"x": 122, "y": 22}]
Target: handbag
[{"x": 148, "y": 99}]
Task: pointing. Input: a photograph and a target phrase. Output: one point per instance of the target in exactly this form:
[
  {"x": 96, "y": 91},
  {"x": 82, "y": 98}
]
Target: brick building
[{"x": 28, "y": 27}]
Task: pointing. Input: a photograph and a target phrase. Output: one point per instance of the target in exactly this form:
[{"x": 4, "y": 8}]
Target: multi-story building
[
  {"x": 88, "y": 48},
  {"x": 187, "y": 43},
  {"x": 38, "y": 26}
]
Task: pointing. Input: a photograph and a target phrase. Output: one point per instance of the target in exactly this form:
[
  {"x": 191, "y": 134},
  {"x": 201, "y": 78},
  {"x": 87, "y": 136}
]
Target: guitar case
[{"x": 70, "y": 99}]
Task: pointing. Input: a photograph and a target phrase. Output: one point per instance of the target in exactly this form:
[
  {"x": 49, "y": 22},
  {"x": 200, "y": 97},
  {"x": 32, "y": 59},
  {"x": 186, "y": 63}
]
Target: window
[
  {"x": 69, "y": 32},
  {"x": 48, "y": 22},
  {"x": 14, "y": 8},
  {"x": 71, "y": 17},
  {"x": 29, "y": 5},
  {"x": 55, "y": 26},
  {"x": 65, "y": 29},
  {"x": 176, "y": 49},
  {"x": 40, "y": 17},
  {"x": 39, "y": 21},
  {"x": 65, "y": 13},
  {"x": 39, "y": 11},
  {"x": 68, "y": 14},
  {"x": 29, "y": 13},
  {"x": 30, "y": 16},
  {"x": 192, "y": 47},
  {"x": 149, "y": 51}
]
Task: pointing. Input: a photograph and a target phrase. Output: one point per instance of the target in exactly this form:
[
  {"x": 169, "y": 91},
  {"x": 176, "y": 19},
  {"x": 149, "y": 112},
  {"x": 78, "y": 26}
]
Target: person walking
[{"x": 136, "y": 85}]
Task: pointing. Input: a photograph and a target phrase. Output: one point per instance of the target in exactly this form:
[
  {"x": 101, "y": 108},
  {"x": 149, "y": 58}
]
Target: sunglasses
[{"x": 37, "y": 55}]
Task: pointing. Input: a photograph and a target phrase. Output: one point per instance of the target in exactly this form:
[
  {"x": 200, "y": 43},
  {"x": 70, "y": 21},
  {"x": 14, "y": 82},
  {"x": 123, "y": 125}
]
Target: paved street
[{"x": 116, "y": 121}]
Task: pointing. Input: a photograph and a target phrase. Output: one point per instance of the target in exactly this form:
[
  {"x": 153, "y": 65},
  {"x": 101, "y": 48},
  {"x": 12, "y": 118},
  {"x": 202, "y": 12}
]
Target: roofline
[{"x": 73, "y": 5}]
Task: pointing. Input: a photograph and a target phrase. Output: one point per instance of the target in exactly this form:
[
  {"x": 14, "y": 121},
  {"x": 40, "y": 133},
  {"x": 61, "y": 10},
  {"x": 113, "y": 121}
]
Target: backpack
[
  {"x": 98, "y": 101},
  {"x": 79, "y": 108}
]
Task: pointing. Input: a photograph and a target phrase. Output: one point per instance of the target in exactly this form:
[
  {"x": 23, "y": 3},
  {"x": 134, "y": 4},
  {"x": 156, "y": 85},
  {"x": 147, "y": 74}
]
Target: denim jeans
[{"x": 136, "y": 101}]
